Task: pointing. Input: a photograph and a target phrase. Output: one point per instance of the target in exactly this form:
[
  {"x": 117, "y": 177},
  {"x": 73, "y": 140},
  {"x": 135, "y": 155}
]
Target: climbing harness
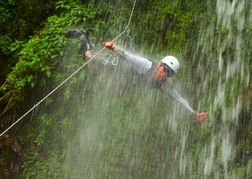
[
  {"x": 57, "y": 87},
  {"x": 113, "y": 59},
  {"x": 107, "y": 61}
]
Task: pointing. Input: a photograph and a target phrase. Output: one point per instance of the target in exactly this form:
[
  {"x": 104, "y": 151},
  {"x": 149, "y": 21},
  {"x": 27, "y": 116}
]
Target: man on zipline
[{"x": 152, "y": 74}]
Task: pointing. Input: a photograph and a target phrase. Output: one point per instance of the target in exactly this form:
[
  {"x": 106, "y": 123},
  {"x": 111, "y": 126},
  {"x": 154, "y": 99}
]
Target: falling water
[
  {"x": 123, "y": 131},
  {"x": 225, "y": 76}
]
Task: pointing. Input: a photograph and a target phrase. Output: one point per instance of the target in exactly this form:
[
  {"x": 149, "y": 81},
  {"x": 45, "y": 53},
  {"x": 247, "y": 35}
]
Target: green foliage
[
  {"x": 43, "y": 159},
  {"x": 21, "y": 19},
  {"x": 76, "y": 13},
  {"x": 35, "y": 167},
  {"x": 40, "y": 55},
  {"x": 33, "y": 58},
  {"x": 126, "y": 134},
  {"x": 241, "y": 171},
  {"x": 4, "y": 44},
  {"x": 7, "y": 14}
]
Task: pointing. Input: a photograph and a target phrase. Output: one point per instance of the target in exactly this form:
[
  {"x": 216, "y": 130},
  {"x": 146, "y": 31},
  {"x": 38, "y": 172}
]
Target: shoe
[
  {"x": 73, "y": 34},
  {"x": 85, "y": 42},
  {"x": 82, "y": 35}
]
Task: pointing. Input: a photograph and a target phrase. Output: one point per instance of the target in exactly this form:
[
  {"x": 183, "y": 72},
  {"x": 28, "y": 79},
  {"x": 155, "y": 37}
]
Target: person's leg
[
  {"x": 82, "y": 35},
  {"x": 86, "y": 47}
]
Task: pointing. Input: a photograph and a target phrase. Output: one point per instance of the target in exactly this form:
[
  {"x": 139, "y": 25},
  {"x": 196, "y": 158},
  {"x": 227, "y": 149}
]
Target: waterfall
[
  {"x": 123, "y": 131},
  {"x": 224, "y": 69}
]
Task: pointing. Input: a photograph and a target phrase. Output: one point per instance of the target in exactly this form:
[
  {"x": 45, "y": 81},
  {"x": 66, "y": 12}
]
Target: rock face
[{"x": 11, "y": 156}]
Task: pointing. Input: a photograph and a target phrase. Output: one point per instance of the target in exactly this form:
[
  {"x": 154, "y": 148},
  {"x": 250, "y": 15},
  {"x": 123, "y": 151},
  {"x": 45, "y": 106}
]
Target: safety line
[
  {"x": 70, "y": 75},
  {"x": 126, "y": 28}
]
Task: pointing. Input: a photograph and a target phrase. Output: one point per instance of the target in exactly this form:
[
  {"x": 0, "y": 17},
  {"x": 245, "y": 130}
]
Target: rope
[
  {"x": 126, "y": 28},
  {"x": 70, "y": 75}
]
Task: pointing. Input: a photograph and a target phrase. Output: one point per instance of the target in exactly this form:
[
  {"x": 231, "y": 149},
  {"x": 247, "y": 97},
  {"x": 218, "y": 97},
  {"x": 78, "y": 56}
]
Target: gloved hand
[
  {"x": 109, "y": 45},
  {"x": 201, "y": 117}
]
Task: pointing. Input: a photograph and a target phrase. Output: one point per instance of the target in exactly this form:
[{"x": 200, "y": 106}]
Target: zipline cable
[{"x": 57, "y": 87}]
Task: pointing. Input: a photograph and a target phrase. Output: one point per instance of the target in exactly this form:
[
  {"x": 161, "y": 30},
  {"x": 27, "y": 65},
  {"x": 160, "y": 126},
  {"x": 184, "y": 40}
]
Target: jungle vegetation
[{"x": 33, "y": 53}]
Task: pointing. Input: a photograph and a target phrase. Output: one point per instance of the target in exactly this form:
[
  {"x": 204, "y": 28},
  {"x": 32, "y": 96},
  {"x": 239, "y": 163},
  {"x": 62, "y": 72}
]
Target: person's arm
[
  {"x": 140, "y": 64},
  {"x": 171, "y": 90}
]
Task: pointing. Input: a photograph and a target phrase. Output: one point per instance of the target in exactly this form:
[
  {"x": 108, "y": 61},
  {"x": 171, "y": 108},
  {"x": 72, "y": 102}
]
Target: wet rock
[
  {"x": 5, "y": 140},
  {"x": 17, "y": 145}
]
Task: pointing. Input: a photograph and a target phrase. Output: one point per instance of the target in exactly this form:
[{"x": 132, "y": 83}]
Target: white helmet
[{"x": 172, "y": 62}]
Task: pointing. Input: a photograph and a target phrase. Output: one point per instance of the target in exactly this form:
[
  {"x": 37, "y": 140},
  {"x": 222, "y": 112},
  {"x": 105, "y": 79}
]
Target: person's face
[{"x": 163, "y": 72}]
